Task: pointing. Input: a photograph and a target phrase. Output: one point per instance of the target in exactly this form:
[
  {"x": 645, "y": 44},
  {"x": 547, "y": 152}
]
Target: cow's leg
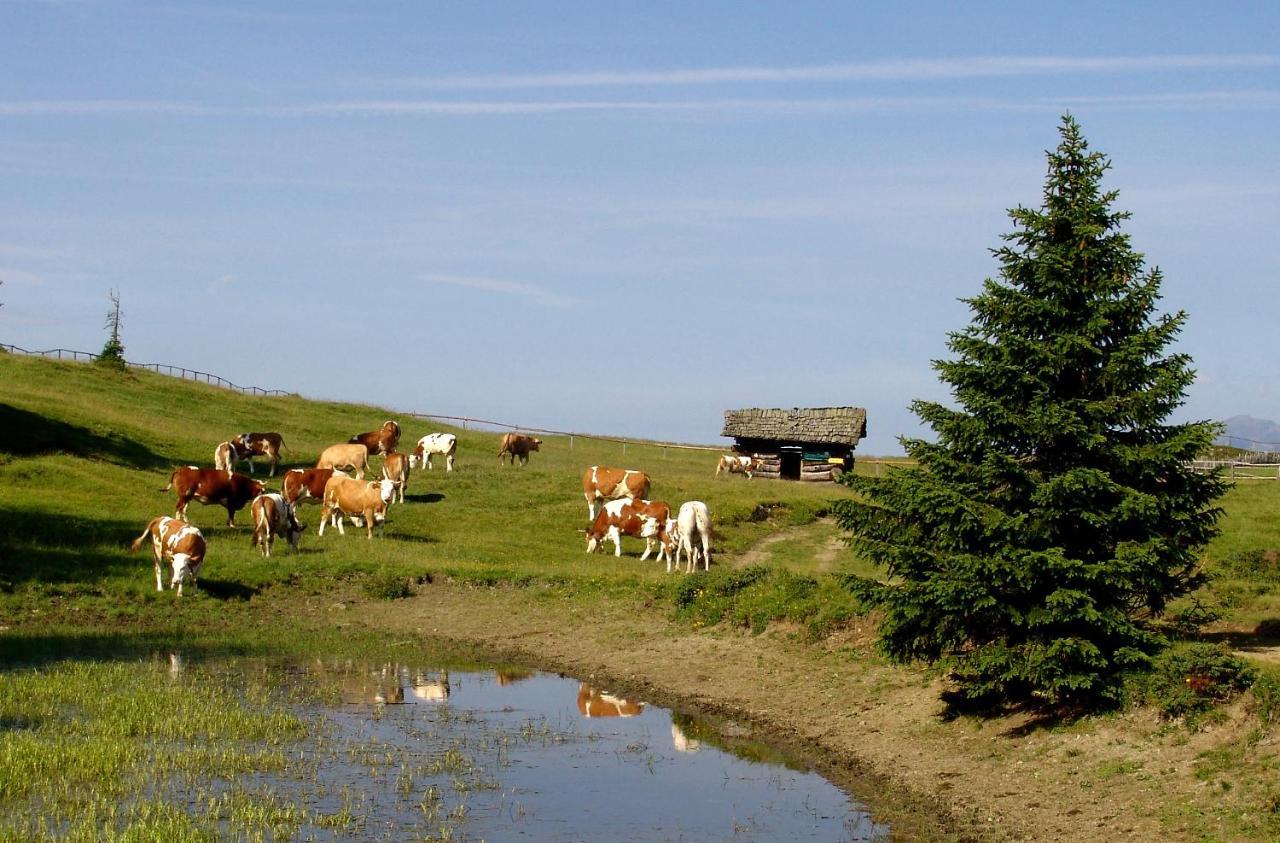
[
  {"x": 616, "y": 536},
  {"x": 648, "y": 548},
  {"x": 591, "y": 508},
  {"x": 157, "y": 558},
  {"x": 275, "y": 462},
  {"x": 324, "y": 517},
  {"x": 231, "y": 516},
  {"x": 448, "y": 461}
]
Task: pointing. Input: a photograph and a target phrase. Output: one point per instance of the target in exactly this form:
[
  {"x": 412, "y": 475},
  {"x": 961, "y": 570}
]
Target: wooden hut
[{"x": 813, "y": 443}]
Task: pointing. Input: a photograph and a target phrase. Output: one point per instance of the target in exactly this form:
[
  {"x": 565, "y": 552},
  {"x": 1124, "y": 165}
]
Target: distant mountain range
[{"x": 1250, "y": 433}]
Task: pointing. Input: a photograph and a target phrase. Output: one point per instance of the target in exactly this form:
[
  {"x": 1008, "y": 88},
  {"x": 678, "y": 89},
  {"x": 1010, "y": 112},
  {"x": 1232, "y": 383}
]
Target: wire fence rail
[
  {"x": 466, "y": 422},
  {"x": 159, "y": 368}
]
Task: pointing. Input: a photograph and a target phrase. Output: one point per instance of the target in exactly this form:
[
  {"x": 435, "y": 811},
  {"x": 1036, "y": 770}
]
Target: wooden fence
[
  {"x": 159, "y": 368},
  {"x": 1240, "y": 469}
]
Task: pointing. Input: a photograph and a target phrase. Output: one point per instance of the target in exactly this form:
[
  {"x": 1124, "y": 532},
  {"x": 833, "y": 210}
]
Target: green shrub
[
  {"x": 1187, "y": 681},
  {"x": 1255, "y": 564},
  {"x": 1266, "y": 698},
  {"x": 756, "y": 596},
  {"x": 387, "y": 585}
]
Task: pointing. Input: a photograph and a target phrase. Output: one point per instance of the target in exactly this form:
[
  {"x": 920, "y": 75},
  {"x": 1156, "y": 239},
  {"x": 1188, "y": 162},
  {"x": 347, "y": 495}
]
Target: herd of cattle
[{"x": 625, "y": 510}]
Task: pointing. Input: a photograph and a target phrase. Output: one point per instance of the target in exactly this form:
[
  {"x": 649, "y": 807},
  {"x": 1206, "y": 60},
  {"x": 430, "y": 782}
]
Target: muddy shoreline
[{"x": 872, "y": 728}]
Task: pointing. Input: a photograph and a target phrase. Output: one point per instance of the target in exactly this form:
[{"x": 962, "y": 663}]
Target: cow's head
[
  {"x": 650, "y": 528},
  {"x": 386, "y": 488},
  {"x": 295, "y": 529},
  {"x": 182, "y": 569},
  {"x": 593, "y": 543},
  {"x": 256, "y": 487},
  {"x": 533, "y": 446}
]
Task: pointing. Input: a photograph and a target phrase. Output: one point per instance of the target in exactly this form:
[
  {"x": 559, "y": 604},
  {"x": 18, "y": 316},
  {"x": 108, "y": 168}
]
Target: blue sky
[{"x": 617, "y": 218}]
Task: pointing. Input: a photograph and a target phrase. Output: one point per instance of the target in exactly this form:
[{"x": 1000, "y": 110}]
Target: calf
[
  {"x": 178, "y": 540},
  {"x": 210, "y": 486},
  {"x": 621, "y": 518},
  {"x": 302, "y": 484},
  {"x": 434, "y": 443},
  {"x": 602, "y": 483},
  {"x": 734, "y": 464},
  {"x": 347, "y": 496},
  {"x": 384, "y": 440},
  {"x": 354, "y": 457},
  {"x": 396, "y": 469},
  {"x": 272, "y": 516},
  {"x": 693, "y": 522},
  {"x": 517, "y": 445},
  {"x": 250, "y": 445}
]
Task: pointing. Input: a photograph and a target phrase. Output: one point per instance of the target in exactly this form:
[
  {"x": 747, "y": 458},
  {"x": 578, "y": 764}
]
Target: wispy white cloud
[
  {"x": 12, "y": 275},
  {"x": 508, "y": 288},
  {"x": 222, "y": 282},
  {"x": 889, "y": 70},
  {"x": 745, "y": 106}
]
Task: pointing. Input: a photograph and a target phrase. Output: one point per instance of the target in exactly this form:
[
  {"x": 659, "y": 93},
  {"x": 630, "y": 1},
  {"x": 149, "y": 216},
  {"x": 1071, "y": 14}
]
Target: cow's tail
[
  {"x": 137, "y": 543},
  {"x": 172, "y": 475},
  {"x": 283, "y": 446}
]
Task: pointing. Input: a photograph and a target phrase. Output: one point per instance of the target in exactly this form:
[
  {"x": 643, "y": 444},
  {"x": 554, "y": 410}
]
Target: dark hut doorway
[{"x": 791, "y": 457}]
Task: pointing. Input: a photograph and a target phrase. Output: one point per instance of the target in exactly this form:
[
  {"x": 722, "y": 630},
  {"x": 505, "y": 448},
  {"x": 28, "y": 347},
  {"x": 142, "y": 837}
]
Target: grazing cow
[
  {"x": 273, "y": 516},
  {"x": 517, "y": 445},
  {"x": 596, "y": 703},
  {"x": 303, "y": 484},
  {"x": 210, "y": 486},
  {"x": 250, "y": 445},
  {"x": 659, "y": 511},
  {"x": 621, "y": 518},
  {"x": 395, "y": 467},
  {"x": 354, "y": 457},
  {"x": 224, "y": 457},
  {"x": 434, "y": 443},
  {"x": 356, "y": 498},
  {"x": 178, "y": 540},
  {"x": 602, "y": 483},
  {"x": 384, "y": 440},
  {"x": 734, "y": 464},
  {"x": 693, "y": 523}
]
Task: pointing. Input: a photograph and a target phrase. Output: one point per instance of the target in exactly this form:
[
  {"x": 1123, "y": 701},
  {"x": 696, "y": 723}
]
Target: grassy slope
[{"x": 84, "y": 452}]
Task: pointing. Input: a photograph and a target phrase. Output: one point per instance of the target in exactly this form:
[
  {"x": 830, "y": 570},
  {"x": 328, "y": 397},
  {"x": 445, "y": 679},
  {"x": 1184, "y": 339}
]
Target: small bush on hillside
[
  {"x": 1266, "y": 698},
  {"x": 1255, "y": 564},
  {"x": 1188, "y": 681},
  {"x": 387, "y": 586},
  {"x": 756, "y": 596}
]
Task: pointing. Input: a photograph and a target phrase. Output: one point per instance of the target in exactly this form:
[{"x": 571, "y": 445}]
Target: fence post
[
  {"x": 464, "y": 422},
  {"x": 570, "y": 441}
]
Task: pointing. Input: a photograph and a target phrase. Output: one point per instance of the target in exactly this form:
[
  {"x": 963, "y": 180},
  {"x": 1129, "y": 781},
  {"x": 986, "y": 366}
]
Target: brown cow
[
  {"x": 602, "y": 483},
  {"x": 517, "y": 445},
  {"x": 624, "y": 518},
  {"x": 178, "y": 540},
  {"x": 395, "y": 467},
  {"x": 735, "y": 464},
  {"x": 210, "y": 486},
  {"x": 384, "y": 440},
  {"x": 354, "y": 457},
  {"x": 347, "y": 496},
  {"x": 272, "y": 516},
  {"x": 224, "y": 457},
  {"x": 250, "y": 445},
  {"x": 302, "y": 484}
]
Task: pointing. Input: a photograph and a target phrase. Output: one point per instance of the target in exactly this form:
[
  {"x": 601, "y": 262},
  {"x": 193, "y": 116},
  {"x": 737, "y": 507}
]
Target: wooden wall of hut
[
  {"x": 816, "y": 471},
  {"x": 768, "y": 466}
]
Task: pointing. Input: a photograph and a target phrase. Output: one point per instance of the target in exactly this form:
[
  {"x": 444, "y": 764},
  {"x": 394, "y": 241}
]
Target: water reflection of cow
[
  {"x": 428, "y": 688},
  {"x": 509, "y": 676},
  {"x": 596, "y": 703},
  {"x": 362, "y": 683}
]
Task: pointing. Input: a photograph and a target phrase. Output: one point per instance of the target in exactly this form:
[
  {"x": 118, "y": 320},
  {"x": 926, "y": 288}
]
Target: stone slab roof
[{"x": 817, "y": 425}]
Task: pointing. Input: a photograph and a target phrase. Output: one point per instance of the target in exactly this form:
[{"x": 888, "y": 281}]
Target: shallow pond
[
  {"x": 393, "y": 751},
  {"x": 506, "y": 755}
]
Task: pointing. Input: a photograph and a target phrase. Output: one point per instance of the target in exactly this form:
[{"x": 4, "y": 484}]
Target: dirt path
[{"x": 876, "y": 727}]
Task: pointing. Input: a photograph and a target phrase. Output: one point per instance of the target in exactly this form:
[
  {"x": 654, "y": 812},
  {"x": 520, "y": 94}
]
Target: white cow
[
  {"x": 434, "y": 443},
  {"x": 693, "y": 523},
  {"x": 734, "y": 464}
]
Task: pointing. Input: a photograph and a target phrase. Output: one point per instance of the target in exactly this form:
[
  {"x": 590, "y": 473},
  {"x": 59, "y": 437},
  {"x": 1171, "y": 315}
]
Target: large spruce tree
[{"x": 1057, "y": 513}]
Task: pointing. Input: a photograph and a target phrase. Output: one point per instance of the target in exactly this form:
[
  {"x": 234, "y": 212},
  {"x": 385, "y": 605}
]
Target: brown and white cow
[
  {"x": 735, "y": 464},
  {"x": 356, "y": 499},
  {"x": 273, "y": 516},
  {"x": 303, "y": 484},
  {"x": 224, "y": 457},
  {"x": 596, "y": 703},
  {"x": 517, "y": 445},
  {"x": 182, "y": 543},
  {"x": 384, "y": 440},
  {"x": 211, "y": 486},
  {"x": 354, "y": 457},
  {"x": 622, "y": 518},
  {"x": 395, "y": 467},
  {"x": 603, "y": 483},
  {"x": 250, "y": 445},
  {"x": 434, "y": 443}
]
